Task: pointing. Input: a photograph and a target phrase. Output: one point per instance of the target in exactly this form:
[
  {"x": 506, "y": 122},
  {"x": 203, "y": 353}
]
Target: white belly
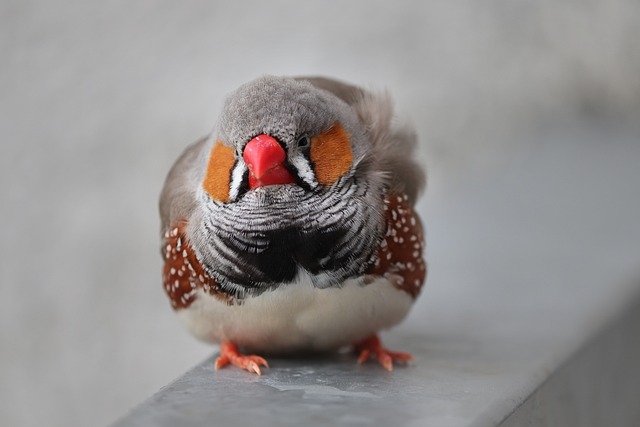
[{"x": 299, "y": 317}]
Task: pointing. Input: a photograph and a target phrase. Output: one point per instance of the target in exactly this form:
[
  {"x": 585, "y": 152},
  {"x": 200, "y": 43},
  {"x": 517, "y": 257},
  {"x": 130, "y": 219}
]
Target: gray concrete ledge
[{"x": 598, "y": 385}]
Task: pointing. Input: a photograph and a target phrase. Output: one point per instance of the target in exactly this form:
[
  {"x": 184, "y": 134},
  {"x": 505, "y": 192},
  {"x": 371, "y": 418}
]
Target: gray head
[{"x": 288, "y": 129}]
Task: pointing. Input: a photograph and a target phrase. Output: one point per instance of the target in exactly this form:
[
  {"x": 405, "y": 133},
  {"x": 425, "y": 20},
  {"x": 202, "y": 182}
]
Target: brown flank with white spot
[
  {"x": 183, "y": 274},
  {"x": 399, "y": 257}
]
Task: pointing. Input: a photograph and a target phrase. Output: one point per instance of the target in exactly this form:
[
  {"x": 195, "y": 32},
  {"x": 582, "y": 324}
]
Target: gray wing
[
  {"x": 177, "y": 199},
  {"x": 393, "y": 146}
]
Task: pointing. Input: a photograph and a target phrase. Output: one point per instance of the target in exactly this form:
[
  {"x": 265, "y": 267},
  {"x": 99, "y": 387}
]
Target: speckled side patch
[
  {"x": 399, "y": 258},
  {"x": 183, "y": 274}
]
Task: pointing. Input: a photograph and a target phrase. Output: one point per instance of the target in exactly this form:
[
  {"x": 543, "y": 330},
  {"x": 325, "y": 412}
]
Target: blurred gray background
[{"x": 97, "y": 98}]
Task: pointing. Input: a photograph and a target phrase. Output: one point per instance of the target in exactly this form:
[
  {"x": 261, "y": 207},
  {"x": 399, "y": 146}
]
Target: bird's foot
[
  {"x": 229, "y": 355},
  {"x": 373, "y": 345}
]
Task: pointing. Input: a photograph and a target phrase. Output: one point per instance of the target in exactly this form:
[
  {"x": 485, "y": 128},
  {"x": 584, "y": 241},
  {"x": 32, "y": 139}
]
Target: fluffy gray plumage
[{"x": 236, "y": 240}]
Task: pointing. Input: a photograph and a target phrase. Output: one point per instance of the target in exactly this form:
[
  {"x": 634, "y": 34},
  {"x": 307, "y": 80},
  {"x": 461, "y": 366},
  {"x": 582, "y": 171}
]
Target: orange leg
[
  {"x": 229, "y": 355},
  {"x": 373, "y": 345}
]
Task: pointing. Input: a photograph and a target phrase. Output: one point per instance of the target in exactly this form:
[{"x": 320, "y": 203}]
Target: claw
[
  {"x": 373, "y": 345},
  {"x": 229, "y": 355},
  {"x": 364, "y": 356}
]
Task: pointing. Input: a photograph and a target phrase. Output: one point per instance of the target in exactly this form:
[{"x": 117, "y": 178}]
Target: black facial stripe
[
  {"x": 244, "y": 184},
  {"x": 296, "y": 174}
]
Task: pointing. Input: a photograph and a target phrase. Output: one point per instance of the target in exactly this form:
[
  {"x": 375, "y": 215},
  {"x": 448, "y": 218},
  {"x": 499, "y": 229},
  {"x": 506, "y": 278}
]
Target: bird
[{"x": 292, "y": 228}]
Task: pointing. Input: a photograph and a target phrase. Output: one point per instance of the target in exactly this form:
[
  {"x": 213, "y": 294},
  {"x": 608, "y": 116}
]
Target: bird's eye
[{"x": 304, "y": 142}]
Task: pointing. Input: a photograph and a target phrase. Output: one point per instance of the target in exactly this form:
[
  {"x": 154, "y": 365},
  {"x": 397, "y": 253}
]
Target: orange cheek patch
[
  {"x": 218, "y": 177},
  {"x": 331, "y": 154}
]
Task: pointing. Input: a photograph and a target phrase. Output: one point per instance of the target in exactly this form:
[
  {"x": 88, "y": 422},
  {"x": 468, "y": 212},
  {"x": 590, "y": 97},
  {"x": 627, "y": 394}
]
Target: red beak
[{"x": 265, "y": 159}]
